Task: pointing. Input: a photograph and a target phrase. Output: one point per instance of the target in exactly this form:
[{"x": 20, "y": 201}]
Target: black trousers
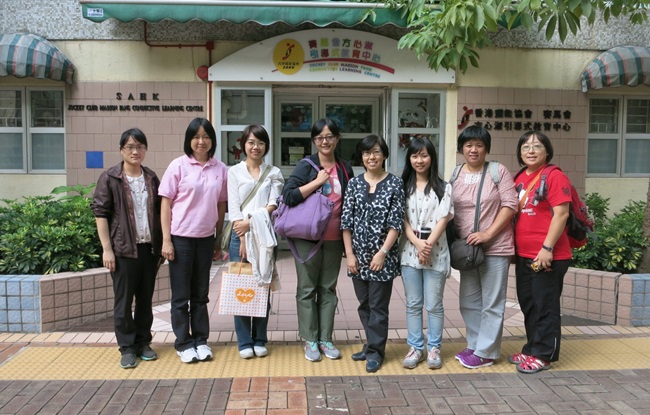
[
  {"x": 539, "y": 296},
  {"x": 374, "y": 298},
  {"x": 134, "y": 278},
  {"x": 189, "y": 279}
]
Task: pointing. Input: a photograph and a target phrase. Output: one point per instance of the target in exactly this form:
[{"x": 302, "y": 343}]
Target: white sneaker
[
  {"x": 261, "y": 351},
  {"x": 246, "y": 353},
  {"x": 204, "y": 352},
  {"x": 188, "y": 355}
]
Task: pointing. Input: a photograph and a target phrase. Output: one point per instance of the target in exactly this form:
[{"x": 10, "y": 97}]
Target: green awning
[
  {"x": 27, "y": 55},
  {"x": 265, "y": 12},
  {"x": 619, "y": 66}
]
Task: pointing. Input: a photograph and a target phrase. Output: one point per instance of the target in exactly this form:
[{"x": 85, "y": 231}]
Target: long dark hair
[{"x": 409, "y": 176}]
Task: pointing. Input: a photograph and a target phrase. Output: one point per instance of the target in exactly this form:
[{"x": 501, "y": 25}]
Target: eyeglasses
[
  {"x": 259, "y": 144},
  {"x": 535, "y": 148},
  {"x": 321, "y": 138},
  {"x": 376, "y": 153},
  {"x": 139, "y": 147}
]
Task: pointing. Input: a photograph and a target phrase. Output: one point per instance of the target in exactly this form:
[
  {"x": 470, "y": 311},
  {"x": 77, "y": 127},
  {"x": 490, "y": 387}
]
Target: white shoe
[
  {"x": 260, "y": 351},
  {"x": 246, "y": 353},
  {"x": 204, "y": 352},
  {"x": 188, "y": 355}
]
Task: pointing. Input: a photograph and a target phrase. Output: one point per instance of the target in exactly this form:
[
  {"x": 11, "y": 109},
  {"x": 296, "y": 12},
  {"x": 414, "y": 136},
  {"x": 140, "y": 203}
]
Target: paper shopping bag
[{"x": 240, "y": 294}]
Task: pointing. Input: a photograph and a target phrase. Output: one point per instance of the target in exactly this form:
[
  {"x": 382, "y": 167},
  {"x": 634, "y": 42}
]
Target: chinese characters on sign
[
  {"x": 330, "y": 54},
  {"x": 506, "y": 119}
]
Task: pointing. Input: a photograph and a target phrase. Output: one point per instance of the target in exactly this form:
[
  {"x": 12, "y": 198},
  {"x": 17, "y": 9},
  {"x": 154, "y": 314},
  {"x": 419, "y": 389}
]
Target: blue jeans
[
  {"x": 482, "y": 299},
  {"x": 421, "y": 285},
  {"x": 189, "y": 279},
  {"x": 251, "y": 331}
]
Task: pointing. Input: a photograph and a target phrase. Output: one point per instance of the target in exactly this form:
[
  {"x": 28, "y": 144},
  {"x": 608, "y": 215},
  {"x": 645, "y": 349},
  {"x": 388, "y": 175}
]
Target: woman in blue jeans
[
  {"x": 242, "y": 179},
  {"x": 425, "y": 255}
]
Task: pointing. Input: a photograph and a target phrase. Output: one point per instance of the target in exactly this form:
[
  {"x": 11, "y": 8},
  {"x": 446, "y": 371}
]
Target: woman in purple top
[{"x": 194, "y": 201}]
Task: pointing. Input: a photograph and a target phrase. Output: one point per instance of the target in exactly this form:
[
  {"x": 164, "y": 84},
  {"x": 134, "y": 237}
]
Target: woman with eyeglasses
[
  {"x": 127, "y": 211},
  {"x": 543, "y": 252},
  {"x": 195, "y": 199},
  {"x": 243, "y": 179},
  {"x": 373, "y": 217},
  {"x": 317, "y": 277}
]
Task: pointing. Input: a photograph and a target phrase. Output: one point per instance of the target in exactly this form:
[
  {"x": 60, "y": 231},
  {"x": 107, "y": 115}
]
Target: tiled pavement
[{"x": 603, "y": 370}]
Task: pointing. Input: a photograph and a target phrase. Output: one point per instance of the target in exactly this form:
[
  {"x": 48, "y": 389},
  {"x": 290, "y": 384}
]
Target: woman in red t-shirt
[{"x": 543, "y": 254}]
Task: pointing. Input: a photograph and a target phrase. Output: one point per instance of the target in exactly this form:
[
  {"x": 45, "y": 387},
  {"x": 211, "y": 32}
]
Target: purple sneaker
[
  {"x": 474, "y": 362},
  {"x": 464, "y": 353}
]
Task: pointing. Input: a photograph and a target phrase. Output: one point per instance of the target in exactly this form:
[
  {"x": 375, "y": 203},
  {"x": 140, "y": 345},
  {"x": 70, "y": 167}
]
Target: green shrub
[
  {"x": 616, "y": 244},
  {"x": 45, "y": 235},
  {"x": 598, "y": 207}
]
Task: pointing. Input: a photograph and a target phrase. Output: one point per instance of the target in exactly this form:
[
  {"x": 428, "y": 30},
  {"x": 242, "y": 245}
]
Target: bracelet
[
  {"x": 547, "y": 248},
  {"x": 383, "y": 250}
]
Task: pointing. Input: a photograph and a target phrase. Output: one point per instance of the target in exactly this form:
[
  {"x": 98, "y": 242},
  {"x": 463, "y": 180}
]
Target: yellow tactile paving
[{"x": 101, "y": 362}]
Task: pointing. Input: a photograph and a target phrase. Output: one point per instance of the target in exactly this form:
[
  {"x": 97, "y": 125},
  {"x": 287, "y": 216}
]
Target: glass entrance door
[{"x": 356, "y": 116}]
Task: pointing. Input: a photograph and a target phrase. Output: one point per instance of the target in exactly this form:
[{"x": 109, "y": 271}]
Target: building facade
[{"x": 152, "y": 68}]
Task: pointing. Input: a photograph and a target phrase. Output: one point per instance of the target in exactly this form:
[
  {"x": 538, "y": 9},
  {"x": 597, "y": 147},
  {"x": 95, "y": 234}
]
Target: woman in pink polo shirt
[{"x": 194, "y": 201}]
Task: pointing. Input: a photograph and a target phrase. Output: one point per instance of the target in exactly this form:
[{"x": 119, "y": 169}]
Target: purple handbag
[{"x": 307, "y": 220}]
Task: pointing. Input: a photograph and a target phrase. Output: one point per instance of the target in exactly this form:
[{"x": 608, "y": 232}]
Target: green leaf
[
  {"x": 550, "y": 28},
  {"x": 586, "y": 7},
  {"x": 523, "y": 6},
  {"x": 573, "y": 22},
  {"x": 490, "y": 13},
  {"x": 562, "y": 28},
  {"x": 573, "y": 4},
  {"x": 479, "y": 18},
  {"x": 527, "y": 21}
]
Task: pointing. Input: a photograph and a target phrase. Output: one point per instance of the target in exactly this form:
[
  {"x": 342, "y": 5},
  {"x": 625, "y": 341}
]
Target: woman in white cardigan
[{"x": 243, "y": 177}]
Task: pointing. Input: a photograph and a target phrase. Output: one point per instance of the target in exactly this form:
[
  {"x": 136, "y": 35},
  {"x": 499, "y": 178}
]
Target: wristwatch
[
  {"x": 547, "y": 248},
  {"x": 383, "y": 250}
]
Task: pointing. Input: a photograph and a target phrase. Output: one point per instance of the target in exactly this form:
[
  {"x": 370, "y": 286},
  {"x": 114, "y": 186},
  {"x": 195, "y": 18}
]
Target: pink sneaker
[
  {"x": 464, "y": 353},
  {"x": 474, "y": 362},
  {"x": 518, "y": 358}
]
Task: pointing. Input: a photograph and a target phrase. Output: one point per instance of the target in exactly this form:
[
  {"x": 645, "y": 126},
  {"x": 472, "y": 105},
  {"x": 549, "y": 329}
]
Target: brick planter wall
[
  {"x": 609, "y": 297},
  {"x": 634, "y": 300},
  {"x": 42, "y": 303}
]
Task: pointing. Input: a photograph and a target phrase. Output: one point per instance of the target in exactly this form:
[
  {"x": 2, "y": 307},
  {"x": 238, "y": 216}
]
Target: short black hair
[
  {"x": 369, "y": 142},
  {"x": 474, "y": 132},
  {"x": 322, "y": 123},
  {"x": 137, "y": 135},
  {"x": 191, "y": 131},
  {"x": 258, "y": 132},
  {"x": 542, "y": 139}
]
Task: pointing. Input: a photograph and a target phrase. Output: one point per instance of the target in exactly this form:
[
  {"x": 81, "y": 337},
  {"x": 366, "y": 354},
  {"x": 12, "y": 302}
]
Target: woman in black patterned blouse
[{"x": 372, "y": 220}]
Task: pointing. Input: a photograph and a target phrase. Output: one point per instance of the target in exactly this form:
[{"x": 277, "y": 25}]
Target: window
[
  {"x": 32, "y": 133},
  {"x": 235, "y": 109},
  {"x": 619, "y": 137},
  {"x": 418, "y": 115}
]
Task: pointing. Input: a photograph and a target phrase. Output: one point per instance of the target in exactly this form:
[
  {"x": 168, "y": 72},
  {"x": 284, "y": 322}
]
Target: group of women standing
[
  {"x": 378, "y": 207},
  {"x": 540, "y": 209},
  {"x": 142, "y": 220}
]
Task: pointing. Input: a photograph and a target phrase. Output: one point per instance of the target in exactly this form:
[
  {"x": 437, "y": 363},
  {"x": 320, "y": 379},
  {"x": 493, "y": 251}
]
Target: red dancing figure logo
[{"x": 287, "y": 54}]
